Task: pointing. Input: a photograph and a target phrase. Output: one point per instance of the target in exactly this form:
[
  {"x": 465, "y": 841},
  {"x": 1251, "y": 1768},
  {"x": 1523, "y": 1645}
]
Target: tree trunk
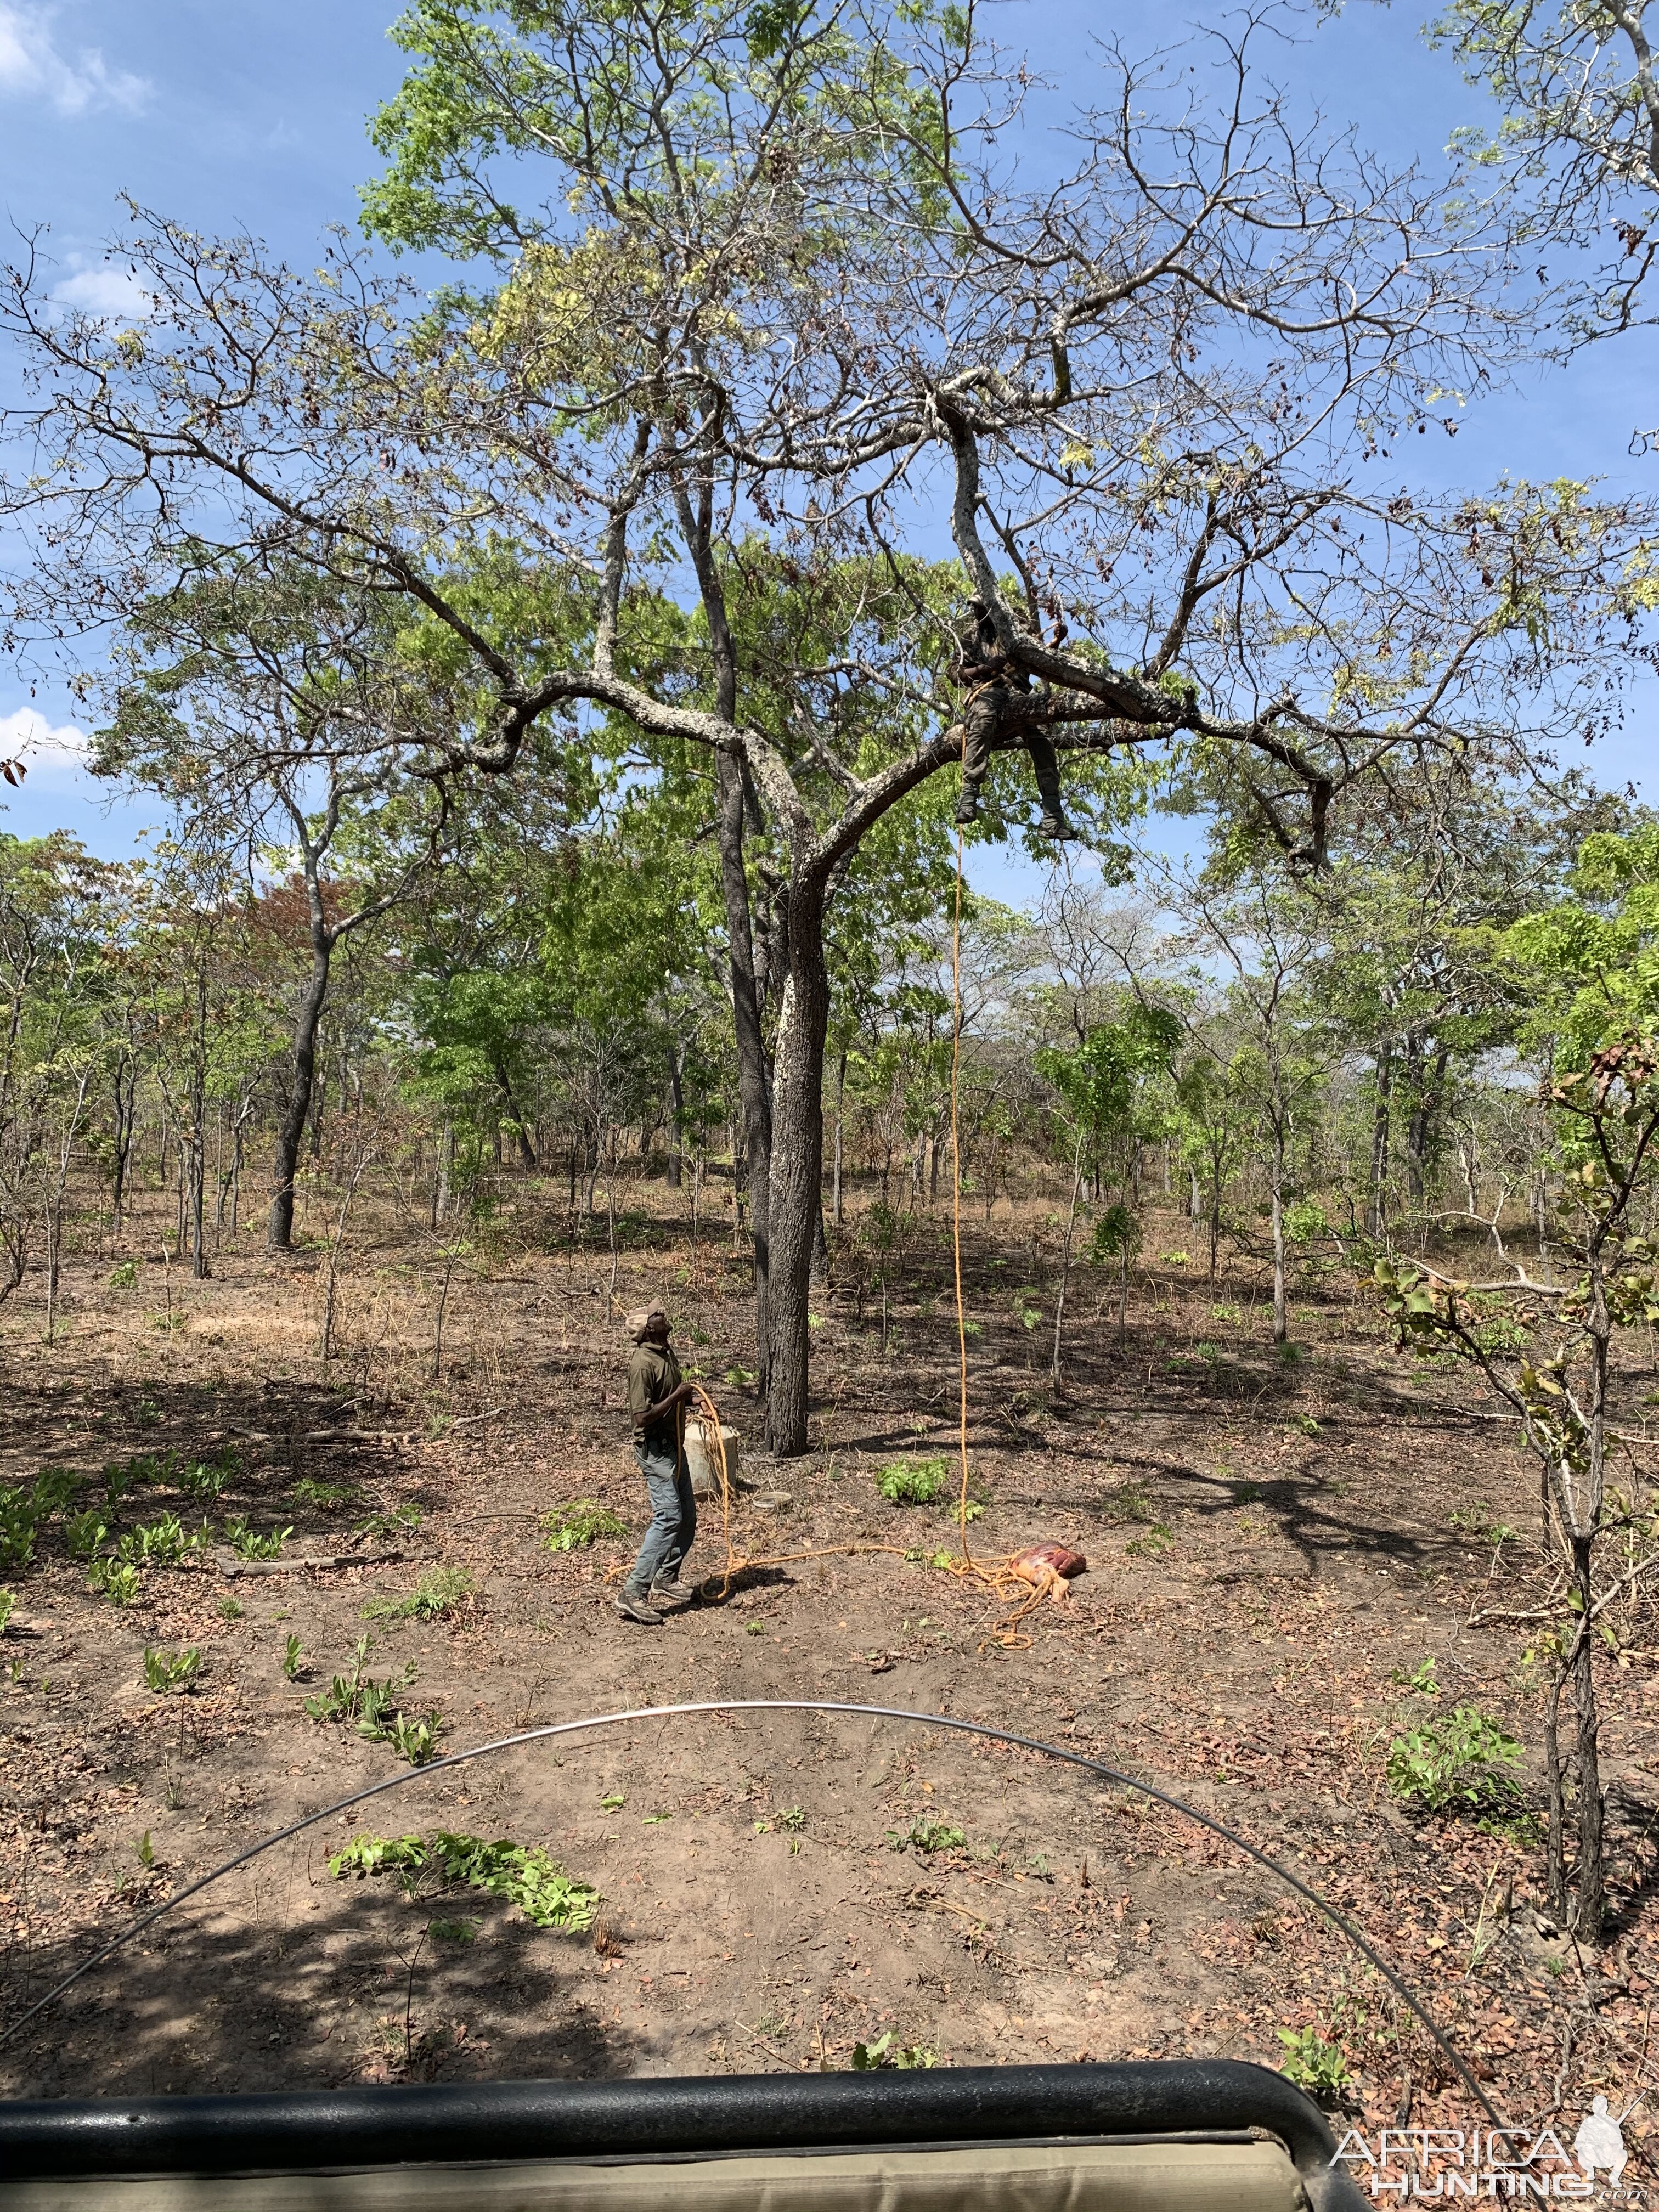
[
  {"x": 198, "y": 1264},
  {"x": 1215, "y": 1216},
  {"x": 1378, "y": 1210},
  {"x": 504, "y": 1085},
  {"x": 1425, "y": 1107},
  {"x": 841, "y": 1107},
  {"x": 443, "y": 1189},
  {"x": 676, "y": 1118},
  {"x": 1055, "y": 1370},
  {"x": 279, "y": 1237},
  {"x": 754, "y": 1091},
  {"x": 797, "y": 1168},
  {"x": 1281, "y": 1327},
  {"x": 1589, "y": 1897},
  {"x": 1416, "y": 1124},
  {"x": 126, "y": 1085}
]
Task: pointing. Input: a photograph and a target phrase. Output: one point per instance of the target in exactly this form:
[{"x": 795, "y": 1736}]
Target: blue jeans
[{"x": 673, "y": 1517}]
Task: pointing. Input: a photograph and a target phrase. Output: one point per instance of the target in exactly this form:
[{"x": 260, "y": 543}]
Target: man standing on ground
[{"x": 656, "y": 1395}]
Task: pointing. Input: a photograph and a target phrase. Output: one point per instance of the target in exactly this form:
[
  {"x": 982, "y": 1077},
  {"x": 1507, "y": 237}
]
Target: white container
[{"x": 703, "y": 1458}]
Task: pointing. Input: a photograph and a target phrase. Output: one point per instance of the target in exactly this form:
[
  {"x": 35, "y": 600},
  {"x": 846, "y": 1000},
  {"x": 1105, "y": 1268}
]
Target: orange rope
[{"x": 956, "y": 1201}]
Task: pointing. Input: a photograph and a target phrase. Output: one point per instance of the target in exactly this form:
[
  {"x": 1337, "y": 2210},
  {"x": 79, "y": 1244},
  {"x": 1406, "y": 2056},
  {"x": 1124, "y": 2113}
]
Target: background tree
[
  {"x": 280, "y": 705},
  {"x": 1588, "y": 967}
]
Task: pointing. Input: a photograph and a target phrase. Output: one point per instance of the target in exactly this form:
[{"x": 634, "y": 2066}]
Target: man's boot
[
  {"x": 968, "y": 805},
  {"x": 669, "y": 1589},
  {"x": 1053, "y": 823},
  {"x": 633, "y": 1607}
]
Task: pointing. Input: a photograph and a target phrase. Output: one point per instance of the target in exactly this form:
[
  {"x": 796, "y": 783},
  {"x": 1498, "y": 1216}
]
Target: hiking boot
[
  {"x": 632, "y": 1606},
  {"x": 1057, "y": 828},
  {"x": 669, "y": 1589},
  {"x": 967, "y": 807}
]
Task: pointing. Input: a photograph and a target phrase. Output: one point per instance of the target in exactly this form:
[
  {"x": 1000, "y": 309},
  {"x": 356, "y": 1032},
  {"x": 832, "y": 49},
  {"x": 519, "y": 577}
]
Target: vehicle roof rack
[{"x": 1175, "y": 2136}]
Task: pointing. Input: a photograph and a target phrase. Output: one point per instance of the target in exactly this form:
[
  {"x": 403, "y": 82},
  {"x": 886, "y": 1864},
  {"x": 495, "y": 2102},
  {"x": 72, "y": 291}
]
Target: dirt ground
[{"x": 1275, "y": 1546}]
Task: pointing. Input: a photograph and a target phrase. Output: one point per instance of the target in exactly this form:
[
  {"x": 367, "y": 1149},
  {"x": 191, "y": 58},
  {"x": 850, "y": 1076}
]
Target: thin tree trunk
[
  {"x": 126, "y": 1085},
  {"x": 521, "y": 1134},
  {"x": 676, "y": 1118},
  {"x": 1215, "y": 1216},
  {"x": 198, "y": 1261},
  {"x": 841, "y": 1103},
  {"x": 1281, "y": 1325},
  {"x": 795, "y": 1195},
  {"x": 1556, "y": 1850},
  {"x": 1065, "y": 1259},
  {"x": 754, "y": 1087},
  {"x": 1589, "y": 1898},
  {"x": 290, "y": 1135},
  {"x": 443, "y": 1192},
  {"x": 1377, "y": 1213},
  {"x": 610, "y": 1231}
]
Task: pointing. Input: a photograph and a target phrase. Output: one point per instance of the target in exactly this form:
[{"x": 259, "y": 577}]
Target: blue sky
[{"x": 250, "y": 114}]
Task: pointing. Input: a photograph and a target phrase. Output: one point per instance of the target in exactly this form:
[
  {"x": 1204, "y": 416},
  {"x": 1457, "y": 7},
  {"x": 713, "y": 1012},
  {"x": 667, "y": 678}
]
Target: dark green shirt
[{"x": 654, "y": 1374}]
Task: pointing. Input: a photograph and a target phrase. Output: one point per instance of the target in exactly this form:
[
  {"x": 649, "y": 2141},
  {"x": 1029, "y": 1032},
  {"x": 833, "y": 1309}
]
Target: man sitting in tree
[{"x": 995, "y": 690}]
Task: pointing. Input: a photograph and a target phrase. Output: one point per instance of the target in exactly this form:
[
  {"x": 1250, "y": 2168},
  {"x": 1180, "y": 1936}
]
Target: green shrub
[
  {"x": 87, "y": 1533},
  {"x": 918, "y": 1482},
  {"x": 204, "y": 1479},
  {"x": 1313, "y": 2063},
  {"x": 869, "y": 2058},
  {"x": 247, "y": 1543},
  {"x": 163, "y": 1543},
  {"x": 115, "y": 1579},
  {"x": 583, "y": 1520},
  {"x": 414, "y": 1739},
  {"x": 135, "y": 1473},
  {"x": 437, "y": 1593},
  {"x": 1304, "y": 1222},
  {"x": 1115, "y": 1236},
  {"x": 328, "y": 1497},
  {"x": 166, "y": 1671},
  {"x": 7, "y": 1603},
  {"x": 27, "y": 1507},
  {"x": 402, "y": 1521},
  {"x": 1152, "y": 1540},
  {"x": 546, "y": 1896},
  {"x": 1460, "y": 1760},
  {"x": 928, "y": 1836},
  {"x": 350, "y": 1696}
]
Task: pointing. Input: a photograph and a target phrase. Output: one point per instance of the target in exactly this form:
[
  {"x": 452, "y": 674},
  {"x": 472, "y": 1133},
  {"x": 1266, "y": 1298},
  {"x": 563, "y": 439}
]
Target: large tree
[{"x": 772, "y": 285}]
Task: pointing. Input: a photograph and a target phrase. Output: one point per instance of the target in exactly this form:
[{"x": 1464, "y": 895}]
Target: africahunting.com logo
[{"x": 1507, "y": 2165}]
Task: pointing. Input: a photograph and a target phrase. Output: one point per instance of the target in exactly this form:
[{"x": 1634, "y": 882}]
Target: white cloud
[
  {"x": 51, "y": 752},
  {"x": 32, "y": 68},
  {"x": 105, "y": 291}
]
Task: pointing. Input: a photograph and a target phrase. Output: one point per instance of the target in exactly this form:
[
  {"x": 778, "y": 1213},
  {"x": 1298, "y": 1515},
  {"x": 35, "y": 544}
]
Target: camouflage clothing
[{"x": 994, "y": 691}]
